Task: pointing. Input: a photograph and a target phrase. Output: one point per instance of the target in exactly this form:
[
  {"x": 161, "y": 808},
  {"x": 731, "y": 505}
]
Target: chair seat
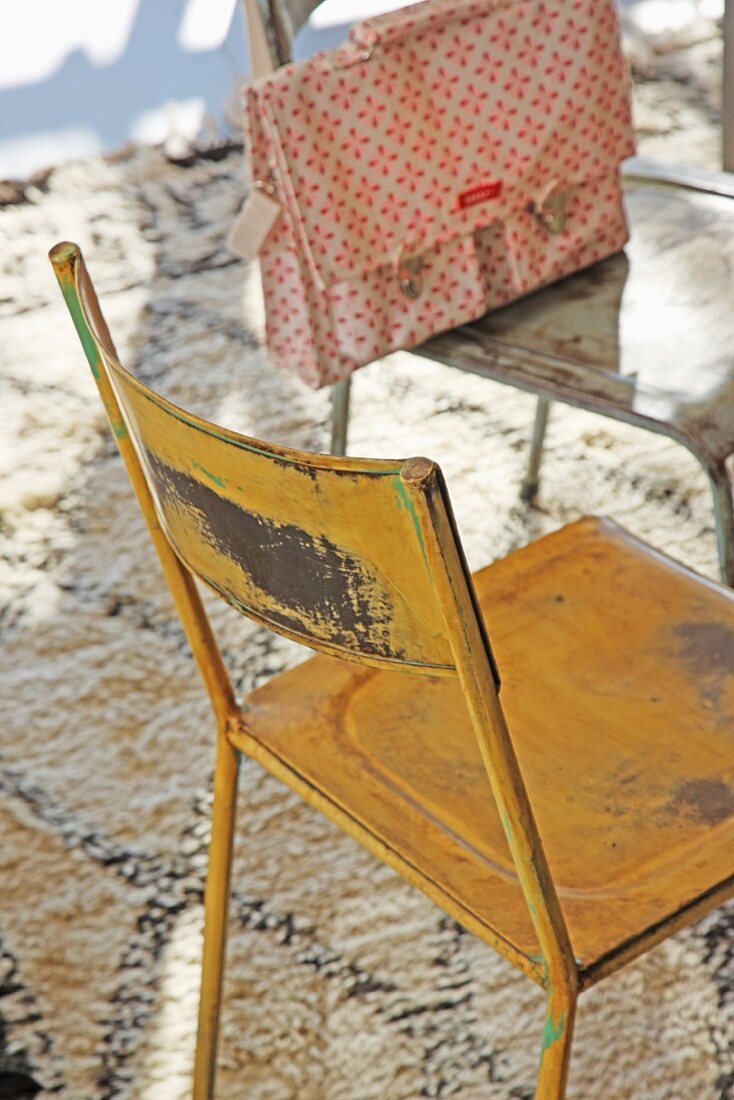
[{"x": 618, "y": 687}]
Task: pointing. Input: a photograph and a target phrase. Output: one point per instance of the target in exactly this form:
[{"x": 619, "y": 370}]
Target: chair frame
[
  {"x": 272, "y": 27},
  {"x": 556, "y": 971},
  {"x": 436, "y": 542}
]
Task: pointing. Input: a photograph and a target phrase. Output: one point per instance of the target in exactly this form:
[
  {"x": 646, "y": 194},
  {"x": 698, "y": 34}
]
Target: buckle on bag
[
  {"x": 409, "y": 272},
  {"x": 552, "y": 211}
]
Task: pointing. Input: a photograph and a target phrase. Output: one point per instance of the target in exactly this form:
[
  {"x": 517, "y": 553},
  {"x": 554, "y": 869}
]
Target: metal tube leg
[
  {"x": 340, "y": 415},
  {"x": 721, "y": 489},
  {"x": 529, "y": 486},
  {"x": 556, "y": 1050},
  {"x": 216, "y": 902},
  {"x": 727, "y": 117}
]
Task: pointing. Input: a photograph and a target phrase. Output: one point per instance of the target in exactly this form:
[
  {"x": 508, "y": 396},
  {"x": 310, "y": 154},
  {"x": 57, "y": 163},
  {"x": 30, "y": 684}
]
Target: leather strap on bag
[
  {"x": 259, "y": 211},
  {"x": 261, "y": 63}
]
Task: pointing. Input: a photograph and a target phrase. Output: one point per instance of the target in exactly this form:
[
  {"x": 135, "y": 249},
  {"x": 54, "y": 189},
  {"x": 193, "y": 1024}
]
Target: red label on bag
[{"x": 481, "y": 193}]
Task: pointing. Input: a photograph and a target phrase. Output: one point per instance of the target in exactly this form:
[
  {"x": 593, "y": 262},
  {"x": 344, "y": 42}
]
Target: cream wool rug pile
[{"x": 343, "y": 983}]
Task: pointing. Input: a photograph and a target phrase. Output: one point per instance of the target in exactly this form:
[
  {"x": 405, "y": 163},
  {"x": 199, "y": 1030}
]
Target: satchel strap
[{"x": 261, "y": 61}]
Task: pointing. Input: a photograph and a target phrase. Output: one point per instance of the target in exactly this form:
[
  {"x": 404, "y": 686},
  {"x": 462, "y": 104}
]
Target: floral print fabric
[{"x": 436, "y": 133}]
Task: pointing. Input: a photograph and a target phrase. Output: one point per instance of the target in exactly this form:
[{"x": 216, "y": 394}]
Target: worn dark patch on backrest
[{"x": 310, "y": 586}]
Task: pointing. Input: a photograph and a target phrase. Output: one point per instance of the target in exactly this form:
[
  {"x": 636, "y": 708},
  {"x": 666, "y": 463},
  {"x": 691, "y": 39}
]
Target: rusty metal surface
[{"x": 645, "y": 336}]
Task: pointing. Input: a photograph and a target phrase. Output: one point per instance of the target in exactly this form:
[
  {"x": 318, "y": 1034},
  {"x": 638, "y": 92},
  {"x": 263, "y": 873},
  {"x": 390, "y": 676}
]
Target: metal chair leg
[
  {"x": 216, "y": 903},
  {"x": 340, "y": 415},
  {"x": 728, "y": 89},
  {"x": 531, "y": 481},
  {"x": 721, "y": 489},
  {"x": 556, "y": 1050}
]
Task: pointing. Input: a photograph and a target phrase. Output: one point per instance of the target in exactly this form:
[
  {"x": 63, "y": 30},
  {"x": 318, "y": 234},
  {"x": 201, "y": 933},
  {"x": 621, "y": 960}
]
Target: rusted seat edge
[
  {"x": 244, "y": 740},
  {"x": 589, "y": 973},
  {"x": 632, "y": 948}
]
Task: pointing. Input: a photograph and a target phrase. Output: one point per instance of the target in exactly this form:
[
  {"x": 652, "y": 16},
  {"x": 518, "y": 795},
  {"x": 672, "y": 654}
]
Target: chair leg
[
  {"x": 340, "y": 415},
  {"x": 721, "y": 489},
  {"x": 531, "y": 481},
  {"x": 216, "y": 903},
  {"x": 556, "y": 1050}
]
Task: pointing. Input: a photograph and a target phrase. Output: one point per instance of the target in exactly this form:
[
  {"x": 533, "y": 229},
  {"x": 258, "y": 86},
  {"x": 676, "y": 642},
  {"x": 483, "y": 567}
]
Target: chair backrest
[
  {"x": 358, "y": 558},
  {"x": 328, "y": 551},
  {"x": 328, "y": 554}
]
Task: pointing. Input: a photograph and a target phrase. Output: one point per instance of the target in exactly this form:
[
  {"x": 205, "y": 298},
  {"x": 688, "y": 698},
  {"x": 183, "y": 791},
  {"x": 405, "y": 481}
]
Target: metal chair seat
[{"x": 612, "y": 632}]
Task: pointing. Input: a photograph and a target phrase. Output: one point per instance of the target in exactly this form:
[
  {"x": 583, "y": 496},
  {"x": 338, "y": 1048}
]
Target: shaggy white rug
[{"x": 343, "y": 983}]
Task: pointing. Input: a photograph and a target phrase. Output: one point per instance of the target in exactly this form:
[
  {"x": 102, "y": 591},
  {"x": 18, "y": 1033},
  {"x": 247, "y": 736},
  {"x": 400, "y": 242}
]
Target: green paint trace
[
  {"x": 220, "y": 481},
  {"x": 91, "y": 351},
  {"x": 553, "y": 1032},
  {"x": 406, "y": 503},
  {"x": 73, "y": 303}
]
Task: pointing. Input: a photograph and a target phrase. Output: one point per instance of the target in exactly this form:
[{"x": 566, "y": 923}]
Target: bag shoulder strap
[{"x": 261, "y": 60}]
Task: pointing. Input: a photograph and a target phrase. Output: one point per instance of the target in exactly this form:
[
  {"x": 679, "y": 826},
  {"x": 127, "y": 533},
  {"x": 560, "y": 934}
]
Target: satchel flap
[{"x": 442, "y": 130}]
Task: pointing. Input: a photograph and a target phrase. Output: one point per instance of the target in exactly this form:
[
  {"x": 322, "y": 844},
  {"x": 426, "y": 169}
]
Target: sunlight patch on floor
[{"x": 171, "y": 1038}]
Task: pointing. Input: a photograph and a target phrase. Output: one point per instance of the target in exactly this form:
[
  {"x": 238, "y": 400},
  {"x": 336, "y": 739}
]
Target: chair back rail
[
  {"x": 91, "y": 327},
  {"x": 358, "y": 558}
]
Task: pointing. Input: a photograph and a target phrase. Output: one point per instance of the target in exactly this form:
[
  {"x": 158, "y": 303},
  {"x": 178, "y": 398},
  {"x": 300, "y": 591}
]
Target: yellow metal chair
[{"x": 602, "y": 826}]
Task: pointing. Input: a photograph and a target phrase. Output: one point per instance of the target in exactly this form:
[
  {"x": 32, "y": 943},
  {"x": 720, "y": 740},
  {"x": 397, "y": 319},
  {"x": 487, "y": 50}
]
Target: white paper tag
[{"x": 255, "y": 220}]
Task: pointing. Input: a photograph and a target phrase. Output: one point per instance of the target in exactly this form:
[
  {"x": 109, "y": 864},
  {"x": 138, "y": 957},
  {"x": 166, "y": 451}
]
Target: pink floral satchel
[{"x": 448, "y": 158}]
